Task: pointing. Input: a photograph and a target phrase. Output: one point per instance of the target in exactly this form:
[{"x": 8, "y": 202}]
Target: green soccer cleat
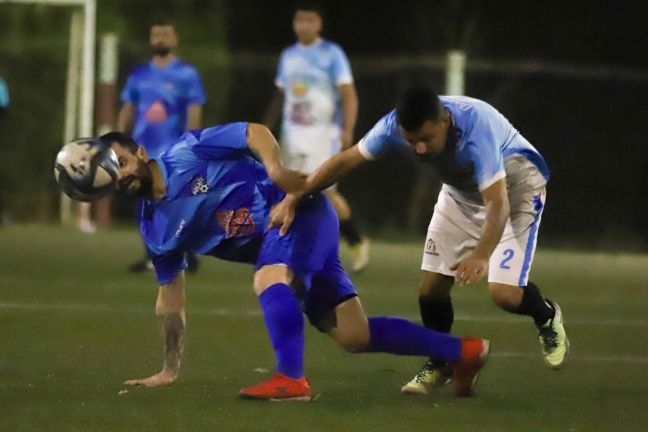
[
  {"x": 430, "y": 375},
  {"x": 553, "y": 339}
]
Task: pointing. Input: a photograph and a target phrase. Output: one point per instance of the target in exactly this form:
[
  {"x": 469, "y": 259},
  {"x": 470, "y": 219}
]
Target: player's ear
[{"x": 142, "y": 154}]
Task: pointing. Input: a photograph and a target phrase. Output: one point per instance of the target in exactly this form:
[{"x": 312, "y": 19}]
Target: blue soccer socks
[
  {"x": 285, "y": 325},
  {"x": 403, "y": 337}
]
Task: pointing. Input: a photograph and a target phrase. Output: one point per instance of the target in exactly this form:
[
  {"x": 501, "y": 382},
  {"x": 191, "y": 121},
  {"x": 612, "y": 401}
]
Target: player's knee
[{"x": 270, "y": 275}]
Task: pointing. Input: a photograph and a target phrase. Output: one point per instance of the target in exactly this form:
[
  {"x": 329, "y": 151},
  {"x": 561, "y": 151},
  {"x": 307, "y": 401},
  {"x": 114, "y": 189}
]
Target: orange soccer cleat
[
  {"x": 474, "y": 353},
  {"x": 279, "y": 388}
]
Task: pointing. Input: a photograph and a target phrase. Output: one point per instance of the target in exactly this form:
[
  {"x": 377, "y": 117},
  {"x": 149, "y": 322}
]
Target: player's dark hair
[
  {"x": 417, "y": 105},
  {"x": 120, "y": 138},
  {"x": 309, "y": 6}
]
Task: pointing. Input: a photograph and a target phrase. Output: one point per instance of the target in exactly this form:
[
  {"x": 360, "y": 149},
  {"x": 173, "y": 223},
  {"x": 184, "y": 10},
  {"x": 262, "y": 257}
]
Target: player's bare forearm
[
  {"x": 194, "y": 116},
  {"x": 273, "y": 113},
  {"x": 170, "y": 310},
  {"x": 125, "y": 117},
  {"x": 334, "y": 169},
  {"x": 497, "y": 213},
  {"x": 350, "y": 104},
  {"x": 265, "y": 146},
  {"x": 475, "y": 266}
]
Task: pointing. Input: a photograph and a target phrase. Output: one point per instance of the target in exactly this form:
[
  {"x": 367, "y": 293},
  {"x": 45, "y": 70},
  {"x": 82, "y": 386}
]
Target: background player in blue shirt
[
  {"x": 316, "y": 93},
  {"x": 486, "y": 218},
  {"x": 210, "y": 194},
  {"x": 161, "y": 100}
]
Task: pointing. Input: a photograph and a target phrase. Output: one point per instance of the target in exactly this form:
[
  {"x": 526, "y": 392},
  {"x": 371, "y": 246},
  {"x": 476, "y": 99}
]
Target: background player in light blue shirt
[
  {"x": 210, "y": 194},
  {"x": 4, "y": 97},
  {"x": 316, "y": 93},
  {"x": 161, "y": 99},
  {"x": 487, "y": 216}
]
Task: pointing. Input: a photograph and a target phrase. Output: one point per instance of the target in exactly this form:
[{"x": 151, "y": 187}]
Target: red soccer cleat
[
  {"x": 279, "y": 388},
  {"x": 474, "y": 353}
]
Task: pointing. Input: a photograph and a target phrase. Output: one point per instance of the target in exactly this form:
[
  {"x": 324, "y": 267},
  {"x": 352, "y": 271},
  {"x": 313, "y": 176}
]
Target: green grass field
[{"x": 74, "y": 325}]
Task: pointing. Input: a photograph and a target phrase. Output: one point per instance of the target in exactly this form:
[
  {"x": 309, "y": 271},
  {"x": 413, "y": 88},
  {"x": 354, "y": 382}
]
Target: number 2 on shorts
[{"x": 508, "y": 256}]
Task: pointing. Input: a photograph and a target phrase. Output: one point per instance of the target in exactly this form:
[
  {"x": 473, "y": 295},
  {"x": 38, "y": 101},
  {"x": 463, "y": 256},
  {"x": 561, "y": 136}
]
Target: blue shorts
[{"x": 310, "y": 250}]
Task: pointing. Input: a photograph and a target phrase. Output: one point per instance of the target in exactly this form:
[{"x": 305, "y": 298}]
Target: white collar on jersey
[{"x": 315, "y": 42}]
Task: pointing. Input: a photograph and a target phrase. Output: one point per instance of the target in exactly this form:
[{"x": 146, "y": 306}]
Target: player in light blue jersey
[
  {"x": 316, "y": 93},
  {"x": 486, "y": 218},
  {"x": 212, "y": 193},
  {"x": 161, "y": 99}
]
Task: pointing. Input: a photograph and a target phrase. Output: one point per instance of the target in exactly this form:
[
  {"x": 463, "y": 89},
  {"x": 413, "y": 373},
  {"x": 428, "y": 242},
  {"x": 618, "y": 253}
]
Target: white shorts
[
  {"x": 456, "y": 225},
  {"x": 305, "y": 148}
]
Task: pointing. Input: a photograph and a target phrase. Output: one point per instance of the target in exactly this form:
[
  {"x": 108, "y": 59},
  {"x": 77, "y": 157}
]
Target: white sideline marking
[
  {"x": 79, "y": 307},
  {"x": 501, "y": 318},
  {"x": 606, "y": 359}
]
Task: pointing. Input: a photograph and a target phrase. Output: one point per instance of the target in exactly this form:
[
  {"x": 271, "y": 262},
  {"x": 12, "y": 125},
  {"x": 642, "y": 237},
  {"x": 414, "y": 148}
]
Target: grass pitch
[{"x": 74, "y": 325}]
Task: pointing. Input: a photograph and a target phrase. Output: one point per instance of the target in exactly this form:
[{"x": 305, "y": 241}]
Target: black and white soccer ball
[{"x": 86, "y": 169}]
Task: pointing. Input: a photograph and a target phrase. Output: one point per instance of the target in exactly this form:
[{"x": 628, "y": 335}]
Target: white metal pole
[
  {"x": 87, "y": 94},
  {"x": 455, "y": 72},
  {"x": 87, "y": 81},
  {"x": 71, "y": 98}
]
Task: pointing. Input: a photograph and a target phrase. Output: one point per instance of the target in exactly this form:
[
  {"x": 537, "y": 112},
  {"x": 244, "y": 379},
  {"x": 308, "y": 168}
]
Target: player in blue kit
[
  {"x": 486, "y": 218},
  {"x": 319, "y": 104},
  {"x": 212, "y": 193},
  {"x": 161, "y": 99}
]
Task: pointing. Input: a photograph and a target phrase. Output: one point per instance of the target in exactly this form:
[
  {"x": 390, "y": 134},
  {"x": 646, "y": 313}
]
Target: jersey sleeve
[
  {"x": 341, "y": 69},
  {"x": 196, "y": 94},
  {"x": 130, "y": 93},
  {"x": 383, "y": 137},
  {"x": 483, "y": 150},
  {"x": 168, "y": 266},
  {"x": 219, "y": 141},
  {"x": 280, "y": 79}
]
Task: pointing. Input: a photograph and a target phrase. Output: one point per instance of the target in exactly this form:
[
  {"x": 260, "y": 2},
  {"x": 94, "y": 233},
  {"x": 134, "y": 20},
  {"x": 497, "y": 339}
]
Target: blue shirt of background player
[
  {"x": 480, "y": 139},
  {"x": 161, "y": 97},
  {"x": 217, "y": 202}
]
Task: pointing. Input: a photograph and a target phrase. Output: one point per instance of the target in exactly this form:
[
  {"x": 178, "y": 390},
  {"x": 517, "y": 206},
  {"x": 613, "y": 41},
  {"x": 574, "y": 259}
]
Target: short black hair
[
  {"x": 310, "y": 6},
  {"x": 417, "y": 105},
  {"x": 120, "y": 138}
]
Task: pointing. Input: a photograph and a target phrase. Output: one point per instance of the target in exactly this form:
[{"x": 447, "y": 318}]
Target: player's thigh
[
  {"x": 451, "y": 237},
  {"x": 511, "y": 260},
  {"x": 270, "y": 275},
  {"x": 352, "y": 327},
  {"x": 339, "y": 203}
]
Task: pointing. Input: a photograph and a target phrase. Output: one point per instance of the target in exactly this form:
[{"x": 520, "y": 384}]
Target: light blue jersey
[
  {"x": 4, "y": 94},
  {"x": 309, "y": 76},
  {"x": 480, "y": 141},
  {"x": 218, "y": 198},
  {"x": 161, "y": 96}
]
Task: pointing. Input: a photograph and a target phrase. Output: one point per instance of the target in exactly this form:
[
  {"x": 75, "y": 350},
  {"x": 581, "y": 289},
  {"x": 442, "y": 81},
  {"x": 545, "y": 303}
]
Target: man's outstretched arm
[
  {"x": 329, "y": 173},
  {"x": 170, "y": 308},
  {"x": 265, "y": 146}
]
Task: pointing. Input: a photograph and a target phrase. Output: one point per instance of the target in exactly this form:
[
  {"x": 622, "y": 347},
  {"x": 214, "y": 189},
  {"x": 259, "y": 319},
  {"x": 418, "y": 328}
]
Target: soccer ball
[{"x": 86, "y": 169}]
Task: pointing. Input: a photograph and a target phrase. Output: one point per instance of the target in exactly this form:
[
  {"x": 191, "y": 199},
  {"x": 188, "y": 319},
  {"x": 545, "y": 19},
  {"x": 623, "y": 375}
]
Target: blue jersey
[
  {"x": 480, "y": 140},
  {"x": 218, "y": 200},
  {"x": 309, "y": 76},
  {"x": 161, "y": 97}
]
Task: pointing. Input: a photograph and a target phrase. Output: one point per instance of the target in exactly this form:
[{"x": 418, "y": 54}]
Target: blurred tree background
[{"x": 571, "y": 76}]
